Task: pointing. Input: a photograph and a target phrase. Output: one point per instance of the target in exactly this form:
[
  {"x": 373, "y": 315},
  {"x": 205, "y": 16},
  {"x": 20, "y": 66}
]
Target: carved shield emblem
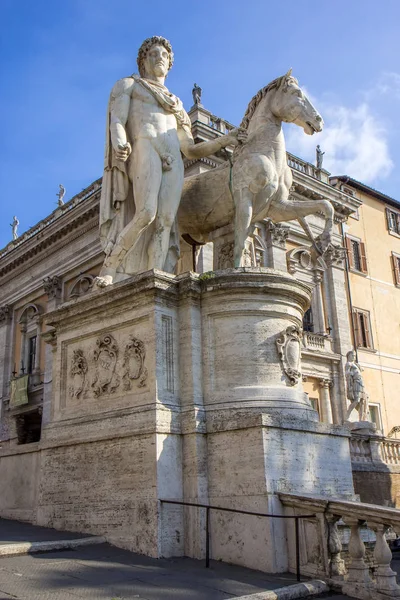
[
  {"x": 288, "y": 345},
  {"x": 105, "y": 357},
  {"x": 133, "y": 364}
]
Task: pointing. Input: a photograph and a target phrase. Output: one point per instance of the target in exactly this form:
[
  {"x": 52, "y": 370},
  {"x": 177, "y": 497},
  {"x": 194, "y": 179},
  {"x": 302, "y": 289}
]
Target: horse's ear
[{"x": 289, "y": 73}]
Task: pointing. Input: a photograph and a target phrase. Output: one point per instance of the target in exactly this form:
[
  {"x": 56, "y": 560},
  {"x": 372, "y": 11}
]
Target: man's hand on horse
[
  {"x": 123, "y": 151},
  {"x": 237, "y": 136}
]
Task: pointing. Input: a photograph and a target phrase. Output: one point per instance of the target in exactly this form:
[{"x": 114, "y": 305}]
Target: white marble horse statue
[{"x": 256, "y": 185}]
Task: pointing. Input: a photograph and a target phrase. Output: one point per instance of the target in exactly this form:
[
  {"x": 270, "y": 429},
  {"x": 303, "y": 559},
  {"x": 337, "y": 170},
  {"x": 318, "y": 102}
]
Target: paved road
[
  {"x": 103, "y": 572},
  {"x": 13, "y": 532}
]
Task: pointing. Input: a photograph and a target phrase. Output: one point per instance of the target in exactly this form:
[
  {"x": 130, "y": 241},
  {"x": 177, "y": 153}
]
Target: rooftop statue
[
  {"x": 147, "y": 129},
  {"x": 61, "y": 195},
  {"x": 196, "y": 93},
  {"x": 14, "y": 227},
  {"x": 256, "y": 185},
  {"x": 356, "y": 392},
  {"x": 319, "y": 156}
]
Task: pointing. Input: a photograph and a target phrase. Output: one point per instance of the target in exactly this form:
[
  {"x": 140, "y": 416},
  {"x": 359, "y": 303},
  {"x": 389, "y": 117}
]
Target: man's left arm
[{"x": 192, "y": 150}]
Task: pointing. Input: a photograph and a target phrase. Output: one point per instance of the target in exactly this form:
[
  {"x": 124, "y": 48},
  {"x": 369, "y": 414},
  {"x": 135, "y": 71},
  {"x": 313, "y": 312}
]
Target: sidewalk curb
[
  {"x": 291, "y": 592},
  {"x": 31, "y": 547}
]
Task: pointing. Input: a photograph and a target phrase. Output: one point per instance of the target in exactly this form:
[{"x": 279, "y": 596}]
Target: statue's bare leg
[
  {"x": 352, "y": 406},
  {"x": 168, "y": 203},
  {"x": 243, "y": 215},
  {"x": 145, "y": 174}
]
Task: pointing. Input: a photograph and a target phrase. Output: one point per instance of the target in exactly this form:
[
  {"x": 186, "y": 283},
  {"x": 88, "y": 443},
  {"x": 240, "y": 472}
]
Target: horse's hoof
[{"x": 102, "y": 282}]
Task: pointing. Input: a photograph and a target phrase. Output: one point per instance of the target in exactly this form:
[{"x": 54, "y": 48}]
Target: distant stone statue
[
  {"x": 61, "y": 195},
  {"x": 356, "y": 392},
  {"x": 147, "y": 129},
  {"x": 320, "y": 156},
  {"x": 14, "y": 226},
  {"x": 196, "y": 93}
]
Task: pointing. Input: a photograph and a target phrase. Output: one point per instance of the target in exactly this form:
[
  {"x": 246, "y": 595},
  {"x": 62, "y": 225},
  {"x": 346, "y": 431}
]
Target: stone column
[
  {"x": 325, "y": 401},
  {"x": 338, "y": 313},
  {"x": 5, "y": 364},
  {"x": 276, "y": 236},
  {"x": 52, "y": 287}
]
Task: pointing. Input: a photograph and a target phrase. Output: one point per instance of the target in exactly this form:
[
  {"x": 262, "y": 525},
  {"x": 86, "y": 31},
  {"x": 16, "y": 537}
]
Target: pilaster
[
  {"x": 276, "y": 236},
  {"x": 338, "y": 314}
]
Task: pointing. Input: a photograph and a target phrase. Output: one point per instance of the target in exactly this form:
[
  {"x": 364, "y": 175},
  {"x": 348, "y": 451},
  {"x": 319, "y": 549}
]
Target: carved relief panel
[{"x": 103, "y": 366}]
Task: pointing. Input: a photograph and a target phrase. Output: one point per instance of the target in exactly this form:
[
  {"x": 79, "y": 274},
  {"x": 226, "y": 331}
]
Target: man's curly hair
[{"x": 145, "y": 47}]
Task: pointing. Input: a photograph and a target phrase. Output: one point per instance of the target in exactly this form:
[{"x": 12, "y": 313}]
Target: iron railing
[{"x": 208, "y": 508}]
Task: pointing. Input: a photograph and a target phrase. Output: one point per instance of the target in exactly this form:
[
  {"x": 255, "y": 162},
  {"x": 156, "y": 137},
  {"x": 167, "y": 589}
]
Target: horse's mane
[{"x": 255, "y": 101}]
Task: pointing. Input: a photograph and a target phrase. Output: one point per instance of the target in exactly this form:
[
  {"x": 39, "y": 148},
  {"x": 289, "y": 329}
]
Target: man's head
[{"x": 155, "y": 54}]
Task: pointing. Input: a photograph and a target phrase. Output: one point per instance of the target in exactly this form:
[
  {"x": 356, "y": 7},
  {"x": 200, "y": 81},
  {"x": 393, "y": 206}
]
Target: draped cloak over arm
[{"x": 115, "y": 186}]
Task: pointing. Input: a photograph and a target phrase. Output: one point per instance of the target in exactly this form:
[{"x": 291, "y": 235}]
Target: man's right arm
[{"x": 119, "y": 110}]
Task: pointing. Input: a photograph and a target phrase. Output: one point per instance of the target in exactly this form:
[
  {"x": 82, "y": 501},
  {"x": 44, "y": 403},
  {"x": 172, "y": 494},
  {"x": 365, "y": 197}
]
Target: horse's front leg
[{"x": 243, "y": 199}]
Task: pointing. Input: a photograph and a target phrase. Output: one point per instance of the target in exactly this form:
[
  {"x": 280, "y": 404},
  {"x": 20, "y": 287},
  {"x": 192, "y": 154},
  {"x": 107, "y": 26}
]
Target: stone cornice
[
  {"x": 313, "y": 188},
  {"x": 35, "y": 248}
]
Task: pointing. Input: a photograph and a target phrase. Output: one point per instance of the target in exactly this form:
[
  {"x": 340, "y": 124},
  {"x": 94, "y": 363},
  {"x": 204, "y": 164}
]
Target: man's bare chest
[{"x": 143, "y": 96}]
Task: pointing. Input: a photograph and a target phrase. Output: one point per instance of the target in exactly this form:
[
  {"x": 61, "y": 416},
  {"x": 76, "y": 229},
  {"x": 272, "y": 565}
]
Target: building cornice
[
  {"x": 80, "y": 218},
  {"x": 365, "y": 189}
]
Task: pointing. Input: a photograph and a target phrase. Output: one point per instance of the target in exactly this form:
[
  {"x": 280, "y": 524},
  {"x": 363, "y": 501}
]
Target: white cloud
[
  {"x": 354, "y": 140},
  {"x": 388, "y": 85}
]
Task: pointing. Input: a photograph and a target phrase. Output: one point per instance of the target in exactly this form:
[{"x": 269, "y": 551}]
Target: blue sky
[{"x": 60, "y": 60}]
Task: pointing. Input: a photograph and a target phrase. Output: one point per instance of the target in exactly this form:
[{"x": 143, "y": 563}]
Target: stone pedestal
[{"x": 185, "y": 388}]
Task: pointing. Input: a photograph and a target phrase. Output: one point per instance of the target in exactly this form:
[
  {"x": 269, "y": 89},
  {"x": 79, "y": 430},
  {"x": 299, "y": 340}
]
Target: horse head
[{"x": 290, "y": 104}]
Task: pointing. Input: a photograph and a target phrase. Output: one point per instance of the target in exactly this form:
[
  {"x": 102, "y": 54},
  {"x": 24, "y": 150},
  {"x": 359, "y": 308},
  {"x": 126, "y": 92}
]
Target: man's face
[{"x": 157, "y": 61}]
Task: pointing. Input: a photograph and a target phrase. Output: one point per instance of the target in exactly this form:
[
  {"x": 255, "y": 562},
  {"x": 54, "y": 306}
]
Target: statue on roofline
[
  {"x": 196, "y": 93},
  {"x": 14, "y": 227}
]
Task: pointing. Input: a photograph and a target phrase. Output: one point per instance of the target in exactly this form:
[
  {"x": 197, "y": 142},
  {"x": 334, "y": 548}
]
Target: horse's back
[{"x": 206, "y": 202}]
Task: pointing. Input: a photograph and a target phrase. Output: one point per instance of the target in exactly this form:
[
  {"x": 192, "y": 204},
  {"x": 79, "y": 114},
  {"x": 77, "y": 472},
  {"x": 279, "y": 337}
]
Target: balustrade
[
  {"x": 391, "y": 451},
  {"x": 356, "y": 578},
  {"x": 375, "y": 449},
  {"x": 301, "y": 165},
  {"x": 317, "y": 341},
  {"x": 360, "y": 450}
]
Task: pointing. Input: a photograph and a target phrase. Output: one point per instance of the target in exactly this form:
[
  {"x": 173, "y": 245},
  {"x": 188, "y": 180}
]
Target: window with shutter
[
  {"x": 363, "y": 257},
  {"x": 362, "y": 329},
  {"x": 396, "y": 268},
  {"x": 357, "y": 255},
  {"x": 393, "y": 220},
  {"x": 349, "y": 249}
]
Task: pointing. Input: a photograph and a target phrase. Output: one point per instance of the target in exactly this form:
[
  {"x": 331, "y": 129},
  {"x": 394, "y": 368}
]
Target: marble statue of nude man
[{"x": 147, "y": 131}]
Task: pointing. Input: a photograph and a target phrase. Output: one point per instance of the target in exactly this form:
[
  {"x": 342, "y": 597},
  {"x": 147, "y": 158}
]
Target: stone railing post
[
  {"x": 336, "y": 563},
  {"x": 358, "y": 579},
  {"x": 385, "y": 579}
]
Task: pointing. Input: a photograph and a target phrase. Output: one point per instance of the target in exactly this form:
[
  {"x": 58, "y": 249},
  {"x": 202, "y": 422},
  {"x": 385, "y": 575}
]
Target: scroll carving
[
  {"x": 288, "y": 345},
  {"x": 105, "y": 381},
  {"x": 225, "y": 258},
  {"x": 78, "y": 372},
  {"x": 133, "y": 364}
]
